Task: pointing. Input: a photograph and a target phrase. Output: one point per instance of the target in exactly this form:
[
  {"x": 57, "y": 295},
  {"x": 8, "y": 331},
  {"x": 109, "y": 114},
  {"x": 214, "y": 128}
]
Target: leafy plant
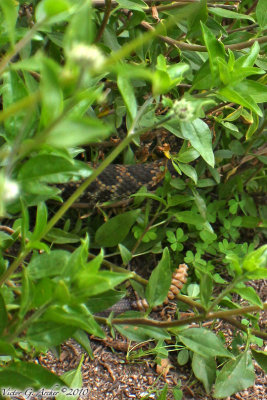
[{"x": 75, "y": 73}]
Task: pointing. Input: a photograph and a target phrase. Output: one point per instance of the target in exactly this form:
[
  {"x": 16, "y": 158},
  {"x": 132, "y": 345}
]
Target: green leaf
[
  {"x": 141, "y": 333},
  {"x": 25, "y": 299},
  {"x": 204, "y": 369},
  {"x": 40, "y": 377},
  {"x": 183, "y": 357},
  {"x": 248, "y": 60},
  {"x": 189, "y": 171},
  {"x": 261, "y": 13},
  {"x": 10, "y": 10},
  {"x": 81, "y": 27},
  {"x": 87, "y": 130},
  {"x": 214, "y": 47},
  {"x": 41, "y": 220},
  {"x": 105, "y": 300},
  {"x": 249, "y": 293},
  {"x": 137, "y": 5},
  {"x": 126, "y": 255},
  {"x": 160, "y": 281},
  {"x": 82, "y": 338},
  {"x": 51, "y": 92},
  {"x": 256, "y": 259},
  {"x": 256, "y": 90},
  {"x": 75, "y": 316},
  {"x": 163, "y": 393},
  {"x": 128, "y": 95},
  {"x": 7, "y": 349},
  {"x": 48, "y": 334},
  {"x": 206, "y": 287},
  {"x": 56, "y": 235},
  {"x": 236, "y": 375},
  {"x": 89, "y": 284},
  {"x": 3, "y": 314},
  {"x": 48, "y": 265},
  {"x": 203, "y": 342},
  {"x": 199, "y": 135},
  {"x": 232, "y": 94},
  {"x": 54, "y": 8},
  {"x": 116, "y": 229},
  {"x": 261, "y": 358},
  {"x": 73, "y": 380},
  {"x": 220, "y": 12},
  {"x": 189, "y": 217},
  {"x": 46, "y": 168}
]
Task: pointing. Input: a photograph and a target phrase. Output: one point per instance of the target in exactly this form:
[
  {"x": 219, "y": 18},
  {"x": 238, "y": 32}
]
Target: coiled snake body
[{"x": 118, "y": 182}]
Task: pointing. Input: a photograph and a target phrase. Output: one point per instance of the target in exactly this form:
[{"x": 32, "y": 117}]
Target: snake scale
[{"x": 118, "y": 181}]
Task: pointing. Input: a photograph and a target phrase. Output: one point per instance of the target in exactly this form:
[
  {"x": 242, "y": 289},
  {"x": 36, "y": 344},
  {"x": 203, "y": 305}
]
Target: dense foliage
[{"x": 82, "y": 81}]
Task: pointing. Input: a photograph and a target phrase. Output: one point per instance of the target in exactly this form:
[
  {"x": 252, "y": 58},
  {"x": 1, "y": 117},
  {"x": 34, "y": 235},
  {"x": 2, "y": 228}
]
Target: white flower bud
[
  {"x": 10, "y": 190},
  {"x": 183, "y": 110},
  {"x": 87, "y": 56}
]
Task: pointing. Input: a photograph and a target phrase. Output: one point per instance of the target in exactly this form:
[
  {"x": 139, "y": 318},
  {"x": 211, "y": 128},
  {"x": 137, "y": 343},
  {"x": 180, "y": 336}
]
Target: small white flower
[
  {"x": 89, "y": 56},
  {"x": 183, "y": 110},
  {"x": 10, "y": 190}
]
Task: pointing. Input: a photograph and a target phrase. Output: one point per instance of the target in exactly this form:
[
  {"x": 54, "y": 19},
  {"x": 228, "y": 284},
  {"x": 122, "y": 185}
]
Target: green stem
[{"x": 224, "y": 293}]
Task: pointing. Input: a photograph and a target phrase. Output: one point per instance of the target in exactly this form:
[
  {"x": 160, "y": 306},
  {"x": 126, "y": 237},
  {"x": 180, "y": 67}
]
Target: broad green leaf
[
  {"x": 199, "y": 135},
  {"x": 87, "y": 284},
  {"x": 204, "y": 369},
  {"x": 3, "y": 314},
  {"x": 40, "y": 377},
  {"x": 7, "y": 349},
  {"x": 183, "y": 357},
  {"x": 141, "y": 333},
  {"x": 44, "y": 265},
  {"x": 46, "y": 168},
  {"x": 51, "y": 92},
  {"x": 261, "y": 358},
  {"x": 126, "y": 255},
  {"x": 41, "y": 220},
  {"x": 249, "y": 293},
  {"x": 43, "y": 292},
  {"x": 232, "y": 94},
  {"x": 261, "y": 13},
  {"x": 15, "y": 380},
  {"x": 220, "y": 12},
  {"x": 73, "y": 380},
  {"x": 206, "y": 287},
  {"x": 81, "y": 27},
  {"x": 13, "y": 90},
  {"x": 256, "y": 259},
  {"x": 82, "y": 338},
  {"x": 48, "y": 334},
  {"x": 104, "y": 301},
  {"x": 75, "y": 316},
  {"x": 128, "y": 95},
  {"x": 189, "y": 217},
  {"x": 256, "y": 90},
  {"x": 137, "y": 5},
  {"x": 248, "y": 59},
  {"x": 236, "y": 375},
  {"x": 163, "y": 393},
  {"x": 189, "y": 171},
  {"x": 203, "y": 342},
  {"x": 214, "y": 47},
  {"x": 160, "y": 281},
  {"x": 56, "y": 235},
  {"x": 187, "y": 155},
  {"x": 10, "y": 11},
  {"x": 116, "y": 229},
  {"x": 75, "y": 132}
]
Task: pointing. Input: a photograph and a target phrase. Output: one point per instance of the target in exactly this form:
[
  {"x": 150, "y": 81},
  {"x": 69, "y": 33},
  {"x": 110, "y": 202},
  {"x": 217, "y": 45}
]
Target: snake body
[{"x": 118, "y": 182}]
